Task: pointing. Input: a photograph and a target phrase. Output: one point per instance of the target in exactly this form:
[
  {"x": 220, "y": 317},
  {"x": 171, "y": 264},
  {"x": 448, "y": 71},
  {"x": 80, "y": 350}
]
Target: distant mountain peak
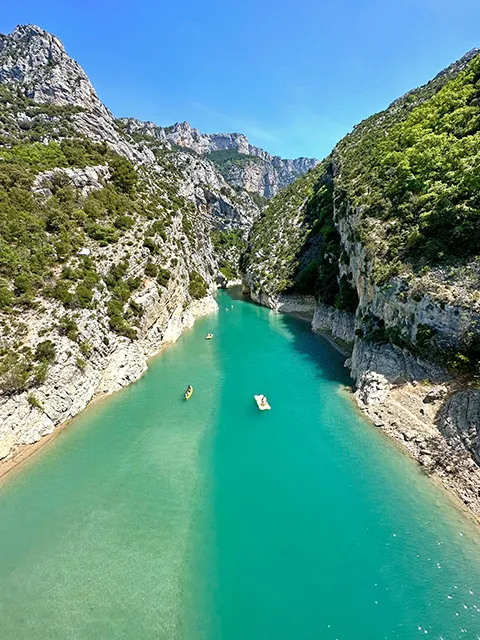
[
  {"x": 253, "y": 169},
  {"x": 36, "y": 61}
]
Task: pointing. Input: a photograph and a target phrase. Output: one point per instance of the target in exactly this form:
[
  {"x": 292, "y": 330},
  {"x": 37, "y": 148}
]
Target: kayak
[
  {"x": 262, "y": 403},
  {"x": 188, "y": 392},
  {"x": 209, "y": 336}
]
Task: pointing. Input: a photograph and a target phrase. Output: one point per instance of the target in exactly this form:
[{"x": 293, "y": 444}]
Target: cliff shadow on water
[{"x": 326, "y": 357}]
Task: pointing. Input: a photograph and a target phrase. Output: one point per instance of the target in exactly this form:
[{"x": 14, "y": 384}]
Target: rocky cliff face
[
  {"x": 382, "y": 236},
  {"x": 106, "y": 248},
  {"x": 246, "y": 166},
  {"x": 37, "y": 60},
  {"x": 92, "y": 356}
]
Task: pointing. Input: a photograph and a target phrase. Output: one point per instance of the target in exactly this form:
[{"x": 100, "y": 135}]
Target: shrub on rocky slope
[
  {"x": 105, "y": 240},
  {"x": 390, "y": 222}
]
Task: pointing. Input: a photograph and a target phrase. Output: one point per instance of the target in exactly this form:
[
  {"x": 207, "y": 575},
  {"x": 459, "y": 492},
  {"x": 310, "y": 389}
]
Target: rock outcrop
[
  {"x": 247, "y": 167},
  {"x": 340, "y": 324},
  {"x": 297, "y": 304},
  {"x": 36, "y": 62}
]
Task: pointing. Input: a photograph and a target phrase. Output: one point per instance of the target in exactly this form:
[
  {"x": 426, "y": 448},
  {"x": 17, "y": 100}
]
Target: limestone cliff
[
  {"x": 384, "y": 233},
  {"x": 242, "y": 164},
  {"x": 106, "y": 248}
]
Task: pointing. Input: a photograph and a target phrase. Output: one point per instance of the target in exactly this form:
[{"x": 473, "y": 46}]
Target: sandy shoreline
[{"x": 24, "y": 452}]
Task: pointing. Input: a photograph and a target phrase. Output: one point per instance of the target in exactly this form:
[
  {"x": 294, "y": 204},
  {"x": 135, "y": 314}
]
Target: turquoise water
[{"x": 152, "y": 517}]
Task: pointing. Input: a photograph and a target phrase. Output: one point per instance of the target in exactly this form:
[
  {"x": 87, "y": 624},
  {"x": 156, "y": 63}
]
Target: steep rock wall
[
  {"x": 341, "y": 324},
  {"x": 163, "y": 240},
  {"x": 256, "y": 171},
  {"x": 68, "y": 389}
]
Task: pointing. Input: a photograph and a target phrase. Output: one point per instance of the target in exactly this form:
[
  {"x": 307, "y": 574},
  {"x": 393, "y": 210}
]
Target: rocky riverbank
[
  {"x": 433, "y": 417},
  {"x": 68, "y": 391},
  {"x": 432, "y": 423}
]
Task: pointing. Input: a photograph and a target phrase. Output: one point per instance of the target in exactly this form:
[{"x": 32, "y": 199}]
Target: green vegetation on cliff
[
  {"x": 279, "y": 235},
  {"x": 197, "y": 286},
  {"x": 305, "y": 257},
  {"x": 23, "y": 119},
  {"x": 416, "y": 179},
  {"x": 394, "y": 211},
  {"x": 227, "y": 160},
  {"x": 411, "y": 172},
  {"x": 39, "y": 233},
  {"x": 295, "y": 245},
  {"x": 70, "y": 239},
  {"x": 229, "y": 246},
  {"x": 231, "y": 157}
]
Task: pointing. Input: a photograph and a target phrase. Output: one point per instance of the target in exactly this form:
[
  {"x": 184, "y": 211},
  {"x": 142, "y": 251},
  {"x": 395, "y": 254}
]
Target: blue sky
[{"x": 294, "y": 76}]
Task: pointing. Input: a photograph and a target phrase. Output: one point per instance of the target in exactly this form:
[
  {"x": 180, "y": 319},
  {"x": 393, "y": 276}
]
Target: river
[{"x": 151, "y": 517}]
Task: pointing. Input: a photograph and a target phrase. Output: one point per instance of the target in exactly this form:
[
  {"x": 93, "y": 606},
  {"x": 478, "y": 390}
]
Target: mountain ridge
[
  {"x": 266, "y": 177},
  {"x": 183, "y": 134},
  {"x": 38, "y": 61}
]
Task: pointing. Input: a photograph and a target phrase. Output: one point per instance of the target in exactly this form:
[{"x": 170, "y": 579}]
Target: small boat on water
[
  {"x": 209, "y": 336},
  {"x": 262, "y": 403},
  {"x": 188, "y": 392}
]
